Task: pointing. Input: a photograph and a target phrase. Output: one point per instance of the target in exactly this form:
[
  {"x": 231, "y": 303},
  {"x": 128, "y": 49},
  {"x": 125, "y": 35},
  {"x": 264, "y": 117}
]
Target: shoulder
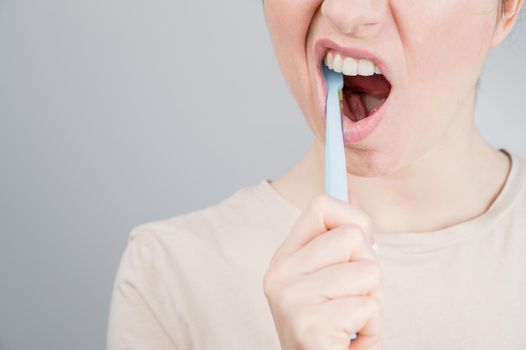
[
  {"x": 512, "y": 200},
  {"x": 224, "y": 247},
  {"x": 244, "y": 216}
]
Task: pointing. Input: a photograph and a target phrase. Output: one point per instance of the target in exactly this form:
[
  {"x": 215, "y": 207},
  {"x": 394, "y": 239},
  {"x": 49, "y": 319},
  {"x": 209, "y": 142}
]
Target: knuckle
[
  {"x": 374, "y": 305},
  {"x": 274, "y": 276},
  {"x": 367, "y": 223},
  {"x": 352, "y": 234},
  {"x": 300, "y": 324},
  {"x": 365, "y": 229},
  {"x": 374, "y": 272},
  {"x": 271, "y": 279},
  {"x": 268, "y": 283},
  {"x": 321, "y": 202},
  {"x": 286, "y": 297}
]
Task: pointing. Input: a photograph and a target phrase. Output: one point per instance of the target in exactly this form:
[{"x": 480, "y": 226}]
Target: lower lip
[{"x": 354, "y": 132}]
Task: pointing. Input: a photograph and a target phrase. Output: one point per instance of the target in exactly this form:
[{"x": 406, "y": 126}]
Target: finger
[
  {"x": 342, "y": 244},
  {"x": 366, "y": 343},
  {"x": 369, "y": 332},
  {"x": 322, "y": 214},
  {"x": 378, "y": 292},
  {"x": 340, "y": 281},
  {"x": 330, "y": 324},
  {"x": 369, "y": 336}
]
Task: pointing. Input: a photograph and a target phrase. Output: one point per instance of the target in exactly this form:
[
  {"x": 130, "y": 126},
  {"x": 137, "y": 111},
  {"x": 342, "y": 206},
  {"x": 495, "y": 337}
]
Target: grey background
[{"x": 118, "y": 112}]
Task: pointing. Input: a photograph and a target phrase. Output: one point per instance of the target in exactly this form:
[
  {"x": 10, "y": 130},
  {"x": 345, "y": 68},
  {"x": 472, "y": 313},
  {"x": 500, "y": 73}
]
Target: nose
[{"x": 359, "y": 18}]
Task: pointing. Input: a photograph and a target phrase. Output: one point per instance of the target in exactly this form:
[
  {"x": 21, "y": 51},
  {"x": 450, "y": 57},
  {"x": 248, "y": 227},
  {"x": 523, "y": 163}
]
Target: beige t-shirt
[{"x": 194, "y": 281}]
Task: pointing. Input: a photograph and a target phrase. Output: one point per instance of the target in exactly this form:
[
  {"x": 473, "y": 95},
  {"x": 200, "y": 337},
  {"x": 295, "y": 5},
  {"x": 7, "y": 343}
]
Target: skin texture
[
  {"x": 431, "y": 118},
  {"x": 424, "y": 168}
]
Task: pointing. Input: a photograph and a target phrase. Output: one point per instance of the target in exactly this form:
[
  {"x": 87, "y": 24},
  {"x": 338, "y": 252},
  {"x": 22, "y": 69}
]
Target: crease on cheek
[
  {"x": 313, "y": 31},
  {"x": 293, "y": 44},
  {"x": 303, "y": 33}
]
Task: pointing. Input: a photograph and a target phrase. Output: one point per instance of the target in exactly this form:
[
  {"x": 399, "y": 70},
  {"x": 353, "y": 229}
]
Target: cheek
[
  {"x": 444, "y": 43},
  {"x": 288, "y": 22},
  {"x": 447, "y": 41}
]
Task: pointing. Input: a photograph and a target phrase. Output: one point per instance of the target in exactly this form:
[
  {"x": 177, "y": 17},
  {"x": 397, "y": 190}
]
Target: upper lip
[{"x": 323, "y": 45}]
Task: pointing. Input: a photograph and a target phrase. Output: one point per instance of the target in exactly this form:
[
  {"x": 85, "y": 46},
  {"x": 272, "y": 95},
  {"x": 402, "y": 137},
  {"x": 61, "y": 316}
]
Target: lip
[{"x": 353, "y": 132}]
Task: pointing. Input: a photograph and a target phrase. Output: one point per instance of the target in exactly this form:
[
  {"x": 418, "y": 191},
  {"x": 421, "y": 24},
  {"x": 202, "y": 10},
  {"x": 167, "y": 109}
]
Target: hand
[{"x": 324, "y": 282}]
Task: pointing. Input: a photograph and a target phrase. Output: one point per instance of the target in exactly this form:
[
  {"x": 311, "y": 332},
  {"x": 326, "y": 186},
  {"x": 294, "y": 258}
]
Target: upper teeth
[{"x": 350, "y": 66}]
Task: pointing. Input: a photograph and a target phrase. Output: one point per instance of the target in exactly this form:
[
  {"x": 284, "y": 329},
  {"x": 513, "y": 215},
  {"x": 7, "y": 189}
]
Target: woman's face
[{"x": 433, "y": 52}]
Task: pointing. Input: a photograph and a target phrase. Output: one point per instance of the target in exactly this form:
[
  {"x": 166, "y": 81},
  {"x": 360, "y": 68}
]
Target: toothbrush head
[{"x": 334, "y": 80}]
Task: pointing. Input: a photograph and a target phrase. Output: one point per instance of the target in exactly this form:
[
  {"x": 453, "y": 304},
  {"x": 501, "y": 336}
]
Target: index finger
[{"x": 322, "y": 214}]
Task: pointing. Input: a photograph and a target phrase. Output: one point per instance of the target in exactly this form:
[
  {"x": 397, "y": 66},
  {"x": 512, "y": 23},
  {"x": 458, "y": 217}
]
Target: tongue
[
  {"x": 357, "y": 106},
  {"x": 364, "y": 94},
  {"x": 375, "y": 85}
]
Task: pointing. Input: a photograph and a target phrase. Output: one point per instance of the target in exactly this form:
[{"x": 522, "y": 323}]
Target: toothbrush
[{"x": 335, "y": 165}]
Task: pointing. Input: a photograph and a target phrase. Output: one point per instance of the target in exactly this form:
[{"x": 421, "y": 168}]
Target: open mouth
[{"x": 365, "y": 88}]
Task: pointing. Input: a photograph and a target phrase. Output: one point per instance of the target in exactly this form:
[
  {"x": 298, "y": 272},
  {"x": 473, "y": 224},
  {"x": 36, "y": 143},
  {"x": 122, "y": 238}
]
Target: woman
[{"x": 280, "y": 265}]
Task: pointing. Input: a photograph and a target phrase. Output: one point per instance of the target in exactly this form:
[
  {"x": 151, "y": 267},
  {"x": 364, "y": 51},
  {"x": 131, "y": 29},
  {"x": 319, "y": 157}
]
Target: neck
[{"x": 455, "y": 181}]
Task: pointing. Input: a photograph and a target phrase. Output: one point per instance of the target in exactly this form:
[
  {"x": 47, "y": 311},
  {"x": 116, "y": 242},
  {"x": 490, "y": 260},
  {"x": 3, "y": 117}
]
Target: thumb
[{"x": 353, "y": 202}]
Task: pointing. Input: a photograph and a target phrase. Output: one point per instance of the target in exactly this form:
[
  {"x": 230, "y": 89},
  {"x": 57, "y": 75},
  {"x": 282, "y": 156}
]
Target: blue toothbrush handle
[{"x": 335, "y": 165}]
